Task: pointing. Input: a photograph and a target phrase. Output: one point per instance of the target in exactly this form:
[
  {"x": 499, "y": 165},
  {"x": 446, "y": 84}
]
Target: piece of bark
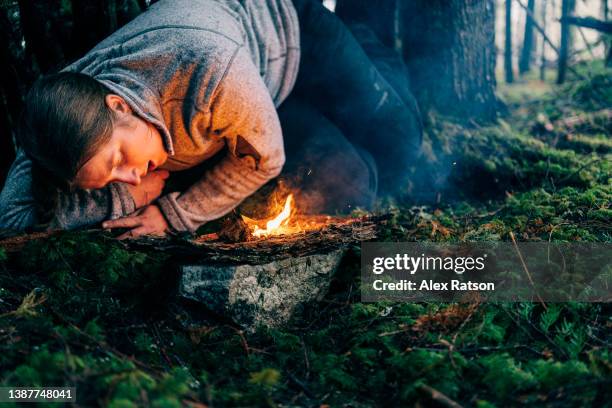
[{"x": 234, "y": 229}]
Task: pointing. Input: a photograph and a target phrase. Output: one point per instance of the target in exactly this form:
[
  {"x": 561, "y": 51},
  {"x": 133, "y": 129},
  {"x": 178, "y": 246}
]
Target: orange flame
[{"x": 274, "y": 226}]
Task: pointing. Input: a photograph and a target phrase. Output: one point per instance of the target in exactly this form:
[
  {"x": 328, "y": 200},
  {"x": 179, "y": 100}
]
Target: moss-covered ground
[{"x": 78, "y": 309}]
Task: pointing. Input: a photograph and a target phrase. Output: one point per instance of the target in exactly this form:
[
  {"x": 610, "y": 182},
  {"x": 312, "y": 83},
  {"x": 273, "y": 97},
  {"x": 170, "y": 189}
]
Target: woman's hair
[{"x": 64, "y": 122}]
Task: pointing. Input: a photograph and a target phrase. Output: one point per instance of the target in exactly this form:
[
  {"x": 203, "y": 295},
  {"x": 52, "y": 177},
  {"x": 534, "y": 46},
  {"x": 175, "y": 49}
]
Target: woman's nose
[{"x": 130, "y": 177}]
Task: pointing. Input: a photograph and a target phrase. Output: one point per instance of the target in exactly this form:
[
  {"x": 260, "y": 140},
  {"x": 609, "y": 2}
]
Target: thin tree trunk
[
  {"x": 567, "y": 6},
  {"x": 111, "y": 7},
  {"x": 15, "y": 76},
  {"x": 508, "y": 44},
  {"x": 528, "y": 39},
  {"x": 606, "y": 39},
  {"x": 548, "y": 41},
  {"x": 397, "y": 27},
  {"x": 7, "y": 148},
  {"x": 543, "y": 6},
  {"x": 585, "y": 40},
  {"x": 38, "y": 19},
  {"x": 93, "y": 21}
]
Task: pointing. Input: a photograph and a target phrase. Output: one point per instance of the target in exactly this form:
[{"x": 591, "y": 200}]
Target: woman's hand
[
  {"x": 149, "y": 189},
  {"x": 148, "y": 220}
]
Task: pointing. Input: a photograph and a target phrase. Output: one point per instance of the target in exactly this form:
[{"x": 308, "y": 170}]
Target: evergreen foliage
[{"x": 78, "y": 309}]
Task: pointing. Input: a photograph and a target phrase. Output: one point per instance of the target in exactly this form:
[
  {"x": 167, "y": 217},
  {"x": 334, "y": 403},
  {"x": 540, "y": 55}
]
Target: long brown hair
[{"x": 64, "y": 123}]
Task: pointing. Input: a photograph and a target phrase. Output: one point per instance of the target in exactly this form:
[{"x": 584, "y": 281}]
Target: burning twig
[{"x": 235, "y": 229}]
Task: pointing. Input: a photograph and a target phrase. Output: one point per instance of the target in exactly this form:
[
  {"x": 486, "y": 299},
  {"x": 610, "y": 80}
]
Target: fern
[
  {"x": 549, "y": 317},
  {"x": 504, "y": 376},
  {"x": 570, "y": 339}
]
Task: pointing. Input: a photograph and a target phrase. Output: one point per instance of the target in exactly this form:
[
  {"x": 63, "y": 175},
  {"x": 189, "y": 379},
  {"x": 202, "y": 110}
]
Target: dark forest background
[
  {"x": 449, "y": 46},
  {"x": 516, "y": 97}
]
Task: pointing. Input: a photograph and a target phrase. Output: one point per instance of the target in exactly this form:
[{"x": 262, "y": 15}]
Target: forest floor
[{"x": 88, "y": 313}]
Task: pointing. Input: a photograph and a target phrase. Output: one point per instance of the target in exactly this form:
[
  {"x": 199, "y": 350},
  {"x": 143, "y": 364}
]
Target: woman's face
[{"x": 135, "y": 148}]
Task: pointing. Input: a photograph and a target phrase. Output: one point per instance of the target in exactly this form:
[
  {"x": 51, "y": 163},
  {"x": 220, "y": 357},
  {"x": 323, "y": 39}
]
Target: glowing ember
[{"x": 276, "y": 225}]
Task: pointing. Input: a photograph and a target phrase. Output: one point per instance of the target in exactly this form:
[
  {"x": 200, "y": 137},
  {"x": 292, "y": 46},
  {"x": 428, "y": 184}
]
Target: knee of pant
[{"x": 397, "y": 142}]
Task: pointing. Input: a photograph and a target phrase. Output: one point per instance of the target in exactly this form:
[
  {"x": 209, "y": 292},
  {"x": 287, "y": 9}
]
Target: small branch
[
  {"x": 243, "y": 341},
  {"x": 527, "y": 270},
  {"x": 589, "y": 22},
  {"x": 579, "y": 169},
  {"x": 586, "y": 42},
  {"x": 438, "y": 397},
  {"x": 104, "y": 345},
  {"x": 302, "y": 386}
]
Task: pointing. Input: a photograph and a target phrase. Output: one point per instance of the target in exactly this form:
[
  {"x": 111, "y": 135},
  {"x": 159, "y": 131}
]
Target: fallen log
[
  {"x": 332, "y": 234},
  {"x": 333, "y": 231}
]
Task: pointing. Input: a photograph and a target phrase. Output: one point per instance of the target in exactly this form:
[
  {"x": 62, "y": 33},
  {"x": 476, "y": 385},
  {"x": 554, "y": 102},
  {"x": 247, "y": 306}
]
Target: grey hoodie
[{"x": 209, "y": 74}]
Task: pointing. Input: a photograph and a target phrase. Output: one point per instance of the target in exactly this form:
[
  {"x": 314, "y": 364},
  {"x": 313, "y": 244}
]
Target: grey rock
[{"x": 260, "y": 294}]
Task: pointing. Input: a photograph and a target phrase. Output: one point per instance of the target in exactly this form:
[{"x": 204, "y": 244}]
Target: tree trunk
[
  {"x": 526, "y": 52},
  {"x": 508, "y": 44},
  {"x": 606, "y": 39},
  {"x": 567, "y": 7},
  {"x": 38, "y": 22},
  {"x": 543, "y": 6},
  {"x": 15, "y": 76},
  {"x": 7, "y": 151},
  {"x": 93, "y": 21},
  {"x": 449, "y": 47}
]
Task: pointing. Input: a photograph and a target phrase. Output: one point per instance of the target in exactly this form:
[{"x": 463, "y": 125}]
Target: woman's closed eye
[{"x": 118, "y": 161}]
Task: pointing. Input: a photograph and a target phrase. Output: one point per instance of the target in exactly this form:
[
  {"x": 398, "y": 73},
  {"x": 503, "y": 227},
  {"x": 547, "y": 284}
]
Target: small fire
[
  {"x": 286, "y": 222},
  {"x": 275, "y": 226}
]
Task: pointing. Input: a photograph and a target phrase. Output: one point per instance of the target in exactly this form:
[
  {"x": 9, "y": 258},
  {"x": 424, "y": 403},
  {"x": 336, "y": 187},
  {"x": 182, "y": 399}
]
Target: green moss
[{"x": 79, "y": 309}]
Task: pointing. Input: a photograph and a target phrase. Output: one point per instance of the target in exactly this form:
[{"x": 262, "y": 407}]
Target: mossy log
[{"x": 262, "y": 281}]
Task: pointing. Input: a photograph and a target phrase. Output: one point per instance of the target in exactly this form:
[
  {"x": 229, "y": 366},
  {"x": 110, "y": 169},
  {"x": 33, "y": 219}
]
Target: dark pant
[{"x": 351, "y": 125}]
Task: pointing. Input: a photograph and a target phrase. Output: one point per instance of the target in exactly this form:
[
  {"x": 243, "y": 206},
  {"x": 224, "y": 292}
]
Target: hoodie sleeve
[
  {"x": 74, "y": 210},
  {"x": 244, "y": 115}
]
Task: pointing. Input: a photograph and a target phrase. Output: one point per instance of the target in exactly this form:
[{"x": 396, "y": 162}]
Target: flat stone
[{"x": 261, "y": 294}]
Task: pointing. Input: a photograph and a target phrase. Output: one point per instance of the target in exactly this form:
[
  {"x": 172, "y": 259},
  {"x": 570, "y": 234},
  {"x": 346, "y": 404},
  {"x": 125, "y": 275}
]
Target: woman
[{"x": 195, "y": 85}]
